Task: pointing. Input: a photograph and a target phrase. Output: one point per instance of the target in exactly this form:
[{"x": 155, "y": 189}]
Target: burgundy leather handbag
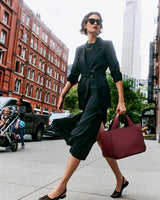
[{"x": 119, "y": 143}]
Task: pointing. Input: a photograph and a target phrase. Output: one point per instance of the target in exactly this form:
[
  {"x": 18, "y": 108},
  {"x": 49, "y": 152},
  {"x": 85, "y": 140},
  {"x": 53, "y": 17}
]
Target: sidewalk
[{"x": 33, "y": 172}]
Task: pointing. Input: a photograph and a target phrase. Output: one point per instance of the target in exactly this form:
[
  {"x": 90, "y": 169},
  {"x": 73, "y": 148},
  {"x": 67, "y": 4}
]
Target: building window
[
  {"x": 50, "y": 82},
  {"x": 47, "y": 82},
  {"x": 1, "y": 56},
  {"x": 64, "y": 68},
  {"x": 34, "y": 26},
  {"x": 49, "y": 56},
  {"x": 25, "y": 37},
  {"x": 28, "y": 18},
  {"x": 45, "y": 96},
  {"x": 23, "y": 52},
  {"x": 23, "y": 16},
  {"x": 48, "y": 69},
  {"x": 29, "y": 73},
  {"x": 41, "y": 50},
  {"x": 32, "y": 42},
  {"x": 60, "y": 89},
  {"x": 32, "y": 75},
  {"x": 22, "y": 68},
  {"x": 40, "y": 63},
  {"x": 44, "y": 52},
  {"x": 37, "y": 91},
  {"x": 35, "y": 46},
  {"x": 31, "y": 91},
  {"x": 17, "y": 66},
  {"x": 30, "y": 58},
  {"x": 55, "y": 100},
  {"x": 5, "y": 17},
  {"x": 3, "y": 36},
  {"x": 51, "y": 72},
  {"x": 43, "y": 35},
  {"x": 41, "y": 80},
  {"x": 54, "y": 86},
  {"x": 27, "y": 88},
  {"x": 55, "y": 74},
  {"x": 38, "y": 78},
  {"x": 40, "y": 94},
  {"x": 37, "y": 30},
  {"x": 52, "y": 58},
  {"x": 60, "y": 51},
  {"x": 58, "y": 64},
  {"x": 48, "y": 97},
  {"x": 43, "y": 65},
  {"x": 50, "y": 43},
  {"x": 46, "y": 38},
  {"x": 17, "y": 85},
  {"x": 9, "y": 2},
  {"x": 34, "y": 59},
  {"x": 53, "y": 45},
  {"x": 57, "y": 50}
]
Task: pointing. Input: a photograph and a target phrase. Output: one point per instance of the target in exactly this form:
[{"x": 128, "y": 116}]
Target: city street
[{"x": 34, "y": 171}]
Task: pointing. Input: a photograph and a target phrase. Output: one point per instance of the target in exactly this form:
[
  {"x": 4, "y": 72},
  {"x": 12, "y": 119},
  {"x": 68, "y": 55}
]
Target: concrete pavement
[{"x": 33, "y": 172}]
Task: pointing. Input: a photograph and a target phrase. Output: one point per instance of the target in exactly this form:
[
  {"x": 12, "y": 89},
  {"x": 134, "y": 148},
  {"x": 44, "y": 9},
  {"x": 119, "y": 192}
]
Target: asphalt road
[{"x": 34, "y": 171}]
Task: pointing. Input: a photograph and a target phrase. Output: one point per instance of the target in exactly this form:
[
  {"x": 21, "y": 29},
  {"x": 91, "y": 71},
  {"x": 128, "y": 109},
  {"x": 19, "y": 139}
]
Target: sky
[{"x": 63, "y": 18}]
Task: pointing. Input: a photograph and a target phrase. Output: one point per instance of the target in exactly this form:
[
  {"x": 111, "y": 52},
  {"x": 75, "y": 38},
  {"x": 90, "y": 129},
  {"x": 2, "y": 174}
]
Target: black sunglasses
[{"x": 92, "y": 21}]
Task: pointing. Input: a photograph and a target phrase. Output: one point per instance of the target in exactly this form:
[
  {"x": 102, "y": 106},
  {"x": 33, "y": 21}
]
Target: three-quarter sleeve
[
  {"x": 75, "y": 72},
  {"x": 113, "y": 62}
]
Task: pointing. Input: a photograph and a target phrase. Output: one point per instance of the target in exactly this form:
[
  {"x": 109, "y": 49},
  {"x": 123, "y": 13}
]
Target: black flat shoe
[
  {"x": 61, "y": 196},
  {"x": 119, "y": 194}
]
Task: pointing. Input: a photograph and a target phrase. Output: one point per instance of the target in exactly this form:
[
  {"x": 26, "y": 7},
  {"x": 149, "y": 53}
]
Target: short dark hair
[
  {"x": 84, "y": 21},
  {"x": 21, "y": 100}
]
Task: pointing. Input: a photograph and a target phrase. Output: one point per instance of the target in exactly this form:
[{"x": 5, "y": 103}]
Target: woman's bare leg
[
  {"x": 113, "y": 164},
  {"x": 71, "y": 167}
]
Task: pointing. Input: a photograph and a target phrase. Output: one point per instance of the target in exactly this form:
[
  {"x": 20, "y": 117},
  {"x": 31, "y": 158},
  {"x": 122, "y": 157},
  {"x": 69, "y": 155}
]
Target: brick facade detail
[{"x": 33, "y": 61}]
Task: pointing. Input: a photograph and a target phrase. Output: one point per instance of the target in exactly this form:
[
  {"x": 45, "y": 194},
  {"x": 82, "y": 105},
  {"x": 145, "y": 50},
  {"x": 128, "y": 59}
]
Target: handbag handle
[{"x": 115, "y": 122}]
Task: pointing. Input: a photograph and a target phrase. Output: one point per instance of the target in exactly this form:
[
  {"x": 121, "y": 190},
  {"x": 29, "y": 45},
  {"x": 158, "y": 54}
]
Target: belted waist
[{"x": 91, "y": 74}]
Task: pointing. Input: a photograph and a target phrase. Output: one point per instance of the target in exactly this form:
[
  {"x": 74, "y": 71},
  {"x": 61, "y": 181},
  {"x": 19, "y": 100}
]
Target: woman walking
[{"x": 91, "y": 62}]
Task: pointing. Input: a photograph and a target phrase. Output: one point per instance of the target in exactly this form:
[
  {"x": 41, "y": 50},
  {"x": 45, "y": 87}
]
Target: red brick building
[{"x": 33, "y": 61}]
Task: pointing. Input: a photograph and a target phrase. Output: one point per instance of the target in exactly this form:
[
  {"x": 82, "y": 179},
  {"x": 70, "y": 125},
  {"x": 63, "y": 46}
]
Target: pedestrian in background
[
  {"x": 91, "y": 62},
  {"x": 20, "y": 110}
]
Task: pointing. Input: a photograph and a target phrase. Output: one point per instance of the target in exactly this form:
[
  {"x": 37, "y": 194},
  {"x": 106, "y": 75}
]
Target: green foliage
[
  {"x": 135, "y": 102},
  {"x": 71, "y": 101}
]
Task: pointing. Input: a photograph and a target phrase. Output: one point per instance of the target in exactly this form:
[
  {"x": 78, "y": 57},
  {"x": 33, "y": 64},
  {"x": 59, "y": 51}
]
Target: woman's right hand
[{"x": 60, "y": 104}]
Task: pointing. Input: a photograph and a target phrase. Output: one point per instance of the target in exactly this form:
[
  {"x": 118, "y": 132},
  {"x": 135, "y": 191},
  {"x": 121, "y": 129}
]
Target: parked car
[
  {"x": 52, "y": 131},
  {"x": 36, "y": 124}
]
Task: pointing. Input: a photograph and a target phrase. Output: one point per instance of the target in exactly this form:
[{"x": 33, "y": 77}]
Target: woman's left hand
[{"x": 121, "y": 108}]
